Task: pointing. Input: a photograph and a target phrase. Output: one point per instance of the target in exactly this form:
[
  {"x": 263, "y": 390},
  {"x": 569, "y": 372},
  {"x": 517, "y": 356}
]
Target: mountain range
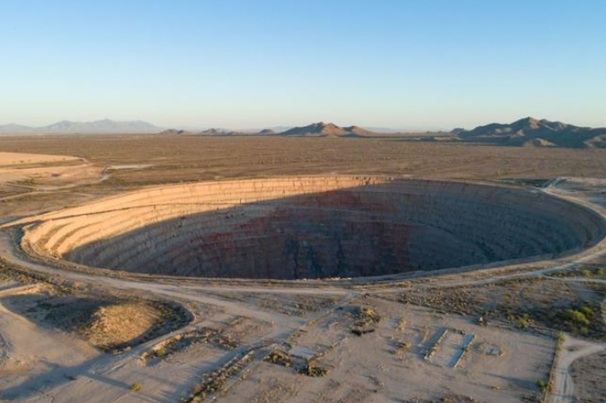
[
  {"x": 211, "y": 132},
  {"x": 97, "y": 127},
  {"x": 528, "y": 132},
  {"x": 319, "y": 129},
  {"x": 327, "y": 130},
  {"x": 536, "y": 133}
]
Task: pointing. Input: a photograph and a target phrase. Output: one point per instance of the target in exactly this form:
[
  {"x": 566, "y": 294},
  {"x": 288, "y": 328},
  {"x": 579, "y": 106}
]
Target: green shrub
[
  {"x": 576, "y": 317},
  {"x": 587, "y": 311},
  {"x": 523, "y": 320},
  {"x": 541, "y": 384}
]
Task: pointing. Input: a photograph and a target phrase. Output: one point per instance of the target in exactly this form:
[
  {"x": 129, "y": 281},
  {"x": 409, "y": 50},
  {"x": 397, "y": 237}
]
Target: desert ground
[{"x": 79, "y": 321}]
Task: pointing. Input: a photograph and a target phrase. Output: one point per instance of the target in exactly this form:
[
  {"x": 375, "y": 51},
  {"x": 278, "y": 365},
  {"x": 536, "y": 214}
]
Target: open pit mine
[{"x": 313, "y": 227}]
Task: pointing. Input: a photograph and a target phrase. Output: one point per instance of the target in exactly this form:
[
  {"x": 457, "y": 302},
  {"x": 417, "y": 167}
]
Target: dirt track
[{"x": 572, "y": 350}]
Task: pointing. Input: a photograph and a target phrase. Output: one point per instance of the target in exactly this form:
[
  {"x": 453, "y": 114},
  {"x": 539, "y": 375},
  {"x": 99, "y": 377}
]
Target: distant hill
[
  {"x": 217, "y": 132},
  {"x": 99, "y": 127},
  {"x": 206, "y": 132},
  {"x": 358, "y": 131},
  {"x": 267, "y": 132},
  {"x": 536, "y": 133},
  {"x": 14, "y": 128},
  {"x": 176, "y": 132},
  {"x": 322, "y": 129}
]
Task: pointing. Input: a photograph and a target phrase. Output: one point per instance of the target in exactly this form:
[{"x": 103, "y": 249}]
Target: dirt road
[{"x": 572, "y": 349}]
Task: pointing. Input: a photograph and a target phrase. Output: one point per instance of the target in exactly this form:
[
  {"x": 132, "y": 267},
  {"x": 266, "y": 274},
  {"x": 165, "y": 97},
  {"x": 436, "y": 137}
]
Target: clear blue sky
[{"x": 257, "y": 63}]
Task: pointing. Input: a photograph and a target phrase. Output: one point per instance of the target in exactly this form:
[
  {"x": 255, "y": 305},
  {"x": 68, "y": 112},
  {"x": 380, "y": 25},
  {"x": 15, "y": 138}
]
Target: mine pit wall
[
  {"x": 314, "y": 227},
  {"x": 57, "y": 233}
]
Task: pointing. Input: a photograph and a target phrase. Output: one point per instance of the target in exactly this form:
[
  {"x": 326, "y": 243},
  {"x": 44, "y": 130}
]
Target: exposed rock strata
[{"x": 313, "y": 227}]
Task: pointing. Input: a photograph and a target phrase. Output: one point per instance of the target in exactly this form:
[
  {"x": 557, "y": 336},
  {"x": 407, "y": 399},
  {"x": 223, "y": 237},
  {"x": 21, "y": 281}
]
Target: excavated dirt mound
[
  {"x": 313, "y": 227},
  {"x": 105, "y": 323},
  {"x": 119, "y": 324}
]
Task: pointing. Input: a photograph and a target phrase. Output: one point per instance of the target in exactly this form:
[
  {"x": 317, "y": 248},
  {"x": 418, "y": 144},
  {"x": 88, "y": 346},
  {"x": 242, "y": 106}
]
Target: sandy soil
[
  {"x": 589, "y": 374},
  {"x": 44, "y": 172},
  {"x": 32, "y": 355},
  {"x": 33, "y": 183},
  {"x": 12, "y": 159},
  {"x": 370, "y": 367}
]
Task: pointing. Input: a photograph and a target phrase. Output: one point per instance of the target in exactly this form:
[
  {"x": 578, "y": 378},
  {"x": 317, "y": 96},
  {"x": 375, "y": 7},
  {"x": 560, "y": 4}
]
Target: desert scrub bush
[
  {"x": 584, "y": 272},
  {"x": 367, "y": 315},
  {"x": 543, "y": 385},
  {"x": 161, "y": 352},
  {"x": 586, "y": 320},
  {"x": 587, "y": 311},
  {"x": 366, "y": 319},
  {"x": 135, "y": 387},
  {"x": 400, "y": 347},
  {"x": 522, "y": 321},
  {"x": 278, "y": 357},
  {"x": 401, "y": 325},
  {"x": 577, "y": 317},
  {"x": 312, "y": 370}
]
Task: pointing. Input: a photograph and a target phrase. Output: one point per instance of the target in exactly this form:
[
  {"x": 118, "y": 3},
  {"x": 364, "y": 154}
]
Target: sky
[{"x": 420, "y": 64}]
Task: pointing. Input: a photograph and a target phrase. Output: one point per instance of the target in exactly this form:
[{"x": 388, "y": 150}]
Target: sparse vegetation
[
  {"x": 311, "y": 369},
  {"x": 400, "y": 347},
  {"x": 366, "y": 319},
  {"x": 194, "y": 158},
  {"x": 521, "y": 320},
  {"x": 213, "y": 382},
  {"x": 588, "y": 271},
  {"x": 543, "y": 385},
  {"x": 279, "y": 357},
  {"x": 528, "y": 304}
]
